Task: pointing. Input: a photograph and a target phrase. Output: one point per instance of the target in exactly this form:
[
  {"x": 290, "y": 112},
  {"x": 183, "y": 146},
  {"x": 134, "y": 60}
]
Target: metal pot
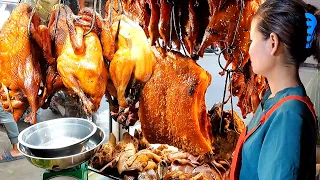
[
  {"x": 57, "y": 137},
  {"x": 66, "y": 162}
]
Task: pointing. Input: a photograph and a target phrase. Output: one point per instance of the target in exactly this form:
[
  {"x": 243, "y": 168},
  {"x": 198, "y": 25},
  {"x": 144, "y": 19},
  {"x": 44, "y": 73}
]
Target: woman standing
[{"x": 280, "y": 141}]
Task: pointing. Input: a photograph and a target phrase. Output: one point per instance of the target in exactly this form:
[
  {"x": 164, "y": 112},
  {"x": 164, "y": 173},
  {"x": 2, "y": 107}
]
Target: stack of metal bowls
[{"x": 60, "y": 143}]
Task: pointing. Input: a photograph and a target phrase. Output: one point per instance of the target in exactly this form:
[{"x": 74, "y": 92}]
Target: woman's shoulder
[
  {"x": 293, "y": 111},
  {"x": 296, "y": 106}
]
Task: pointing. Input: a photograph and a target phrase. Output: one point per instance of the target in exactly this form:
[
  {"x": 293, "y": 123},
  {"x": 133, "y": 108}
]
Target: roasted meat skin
[
  {"x": 173, "y": 103},
  {"x": 235, "y": 45},
  {"x": 20, "y": 57},
  {"x": 79, "y": 59}
]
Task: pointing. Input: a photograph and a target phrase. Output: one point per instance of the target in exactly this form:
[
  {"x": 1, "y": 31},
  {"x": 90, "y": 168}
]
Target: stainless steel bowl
[
  {"x": 57, "y": 137},
  {"x": 66, "y": 162}
]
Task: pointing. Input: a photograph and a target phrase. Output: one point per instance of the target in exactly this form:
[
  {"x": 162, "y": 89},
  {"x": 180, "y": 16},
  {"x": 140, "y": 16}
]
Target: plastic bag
[{"x": 43, "y": 7}]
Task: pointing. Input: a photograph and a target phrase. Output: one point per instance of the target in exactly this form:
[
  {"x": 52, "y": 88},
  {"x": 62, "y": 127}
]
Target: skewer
[
  {"x": 170, "y": 30},
  {"x": 118, "y": 12},
  {"x": 178, "y": 33}
]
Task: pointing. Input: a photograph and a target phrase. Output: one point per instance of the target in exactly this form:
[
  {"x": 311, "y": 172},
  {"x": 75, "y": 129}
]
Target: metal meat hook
[
  {"x": 228, "y": 78},
  {"x": 31, "y": 16},
  {"x": 57, "y": 17},
  {"x": 173, "y": 23},
  {"x": 93, "y": 17}
]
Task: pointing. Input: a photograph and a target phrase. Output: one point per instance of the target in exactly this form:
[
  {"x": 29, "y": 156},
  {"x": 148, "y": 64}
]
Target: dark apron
[{"x": 236, "y": 161}]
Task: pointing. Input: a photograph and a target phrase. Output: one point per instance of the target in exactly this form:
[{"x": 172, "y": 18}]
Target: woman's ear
[{"x": 274, "y": 40}]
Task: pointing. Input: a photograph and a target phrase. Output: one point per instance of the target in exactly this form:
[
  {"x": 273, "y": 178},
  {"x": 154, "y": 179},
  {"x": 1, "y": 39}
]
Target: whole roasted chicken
[
  {"x": 133, "y": 61},
  {"x": 125, "y": 44},
  {"x": 79, "y": 57},
  {"x": 20, "y": 59}
]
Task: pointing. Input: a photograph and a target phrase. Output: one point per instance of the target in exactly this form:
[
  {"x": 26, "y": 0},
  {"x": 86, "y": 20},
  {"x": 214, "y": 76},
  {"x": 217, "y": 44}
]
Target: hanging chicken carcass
[
  {"x": 133, "y": 61},
  {"x": 79, "y": 57},
  {"x": 20, "y": 57}
]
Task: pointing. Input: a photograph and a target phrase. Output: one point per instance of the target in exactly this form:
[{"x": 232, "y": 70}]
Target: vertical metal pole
[{"x": 114, "y": 126}]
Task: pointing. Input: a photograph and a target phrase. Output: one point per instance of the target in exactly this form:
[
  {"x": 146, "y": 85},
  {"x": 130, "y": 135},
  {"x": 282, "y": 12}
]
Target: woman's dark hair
[{"x": 286, "y": 18}]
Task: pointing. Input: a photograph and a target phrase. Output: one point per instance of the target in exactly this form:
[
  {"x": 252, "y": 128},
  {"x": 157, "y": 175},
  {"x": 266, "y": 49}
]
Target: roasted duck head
[
  {"x": 20, "y": 59},
  {"x": 79, "y": 57}
]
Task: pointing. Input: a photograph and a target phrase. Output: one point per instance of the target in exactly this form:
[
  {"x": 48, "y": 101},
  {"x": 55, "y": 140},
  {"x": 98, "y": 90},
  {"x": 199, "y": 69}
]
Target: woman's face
[{"x": 259, "y": 51}]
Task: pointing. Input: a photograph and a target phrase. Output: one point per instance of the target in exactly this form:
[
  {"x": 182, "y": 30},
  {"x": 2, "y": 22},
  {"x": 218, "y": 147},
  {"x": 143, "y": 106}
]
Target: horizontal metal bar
[
  {"x": 309, "y": 65},
  {"x": 10, "y": 2},
  {"x": 107, "y": 175}
]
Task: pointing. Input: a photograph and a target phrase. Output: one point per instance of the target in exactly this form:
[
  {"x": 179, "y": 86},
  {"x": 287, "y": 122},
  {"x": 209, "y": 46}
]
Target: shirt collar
[{"x": 267, "y": 102}]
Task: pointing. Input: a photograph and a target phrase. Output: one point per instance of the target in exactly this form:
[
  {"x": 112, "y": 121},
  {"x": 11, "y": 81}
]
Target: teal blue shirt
[{"x": 284, "y": 146}]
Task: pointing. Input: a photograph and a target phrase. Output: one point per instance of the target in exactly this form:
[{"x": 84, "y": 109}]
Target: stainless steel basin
[
  {"x": 57, "y": 137},
  {"x": 66, "y": 162}
]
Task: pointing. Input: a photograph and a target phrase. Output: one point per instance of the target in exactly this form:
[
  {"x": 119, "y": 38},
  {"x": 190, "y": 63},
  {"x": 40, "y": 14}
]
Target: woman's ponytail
[{"x": 316, "y": 41}]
